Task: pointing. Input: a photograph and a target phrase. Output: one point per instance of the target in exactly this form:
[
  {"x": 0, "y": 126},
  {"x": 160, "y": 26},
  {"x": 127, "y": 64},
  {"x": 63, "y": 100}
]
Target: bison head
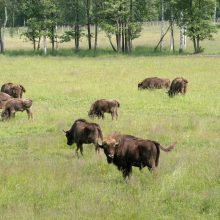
[
  {"x": 110, "y": 147},
  {"x": 16, "y": 91},
  {"x": 69, "y": 137}
]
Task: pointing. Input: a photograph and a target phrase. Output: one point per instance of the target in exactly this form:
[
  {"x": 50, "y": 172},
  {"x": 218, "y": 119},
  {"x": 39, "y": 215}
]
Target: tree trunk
[
  {"x": 162, "y": 25},
  {"x": 52, "y": 38},
  {"x": 39, "y": 40},
  {"x": 126, "y": 38},
  {"x": 2, "y": 31},
  {"x": 77, "y": 34},
  {"x": 1, "y": 41},
  {"x": 214, "y": 15},
  {"x": 194, "y": 44},
  {"x": 123, "y": 37},
  {"x": 198, "y": 45},
  {"x": 181, "y": 33},
  {"x": 88, "y": 23},
  {"x": 171, "y": 34},
  {"x": 96, "y": 36},
  {"x": 110, "y": 41},
  {"x": 129, "y": 32},
  {"x": 56, "y": 35},
  {"x": 45, "y": 42}
]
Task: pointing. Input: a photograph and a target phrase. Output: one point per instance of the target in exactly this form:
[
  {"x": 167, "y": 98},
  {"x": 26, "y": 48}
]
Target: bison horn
[{"x": 65, "y": 131}]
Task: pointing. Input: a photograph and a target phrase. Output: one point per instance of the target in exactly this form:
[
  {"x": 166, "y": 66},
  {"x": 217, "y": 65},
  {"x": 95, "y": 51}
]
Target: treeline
[{"x": 120, "y": 19}]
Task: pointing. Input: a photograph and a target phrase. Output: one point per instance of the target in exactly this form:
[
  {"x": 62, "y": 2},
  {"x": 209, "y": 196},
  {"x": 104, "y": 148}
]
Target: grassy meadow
[{"x": 40, "y": 176}]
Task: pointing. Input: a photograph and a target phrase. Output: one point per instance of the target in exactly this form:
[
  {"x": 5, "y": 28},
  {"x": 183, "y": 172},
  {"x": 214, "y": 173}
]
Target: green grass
[{"x": 40, "y": 178}]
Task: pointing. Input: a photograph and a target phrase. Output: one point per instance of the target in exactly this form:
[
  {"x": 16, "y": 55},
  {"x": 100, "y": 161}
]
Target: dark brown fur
[
  {"x": 99, "y": 107},
  {"x": 14, "y": 105},
  {"x": 13, "y": 90},
  {"x": 154, "y": 83},
  {"x": 83, "y": 132},
  {"x": 126, "y": 151},
  {"x": 4, "y": 97},
  {"x": 178, "y": 85}
]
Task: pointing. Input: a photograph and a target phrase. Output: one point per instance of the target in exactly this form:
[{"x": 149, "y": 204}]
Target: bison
[
  {"x": 13, "y": 90},
  {"x": 99, "y": 107},
  {"x": 83, "y": 132},
  {"x": 4, "y": 97},
  {"x": 154, "y": 83},
  {"x": 14, "y": 105},
  {"x": 178, "y": 85},
  {"x": 126, "y": 151}
]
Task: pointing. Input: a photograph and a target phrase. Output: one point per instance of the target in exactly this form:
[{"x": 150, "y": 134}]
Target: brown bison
[
  {"x": 178, "y": 85},
  {"x": 154, "y": 83},
  {"x": 99, "y": 107},
  {"x": 13, "y": 90},
  {"x": 126, "y": 151},
  {"x": 14, "y": 105},
  {"x": 83, "y": 132},
  {"x": 4, "y": 97}
]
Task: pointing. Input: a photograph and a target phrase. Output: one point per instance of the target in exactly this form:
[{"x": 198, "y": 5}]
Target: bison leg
[
  {"x": 102, "y": 115},
  {"x": 127, "y": 172},
  {"x": 29, "y": 113},
  {"x": 97, "y": 149},
  {"x": 79, "y": 147}
]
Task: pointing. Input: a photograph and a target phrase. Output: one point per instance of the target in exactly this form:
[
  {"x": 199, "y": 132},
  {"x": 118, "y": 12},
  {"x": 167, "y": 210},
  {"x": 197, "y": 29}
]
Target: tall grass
[{"x": 40, "y": 176}]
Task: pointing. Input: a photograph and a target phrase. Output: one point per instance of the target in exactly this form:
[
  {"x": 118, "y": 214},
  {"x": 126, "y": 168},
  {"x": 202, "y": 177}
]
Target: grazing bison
[
  {"x": 154, "y": 83},
  {"x": 4, "y": 97},
  {"x": 99, "y": 107},
  {"x": 178, "y": 85},
  {"x": 126, "y": 151},
  {"x": 14, "y": 105},
  {"x": 83, "y": 132},
  {"x": 13, "y": 90}
]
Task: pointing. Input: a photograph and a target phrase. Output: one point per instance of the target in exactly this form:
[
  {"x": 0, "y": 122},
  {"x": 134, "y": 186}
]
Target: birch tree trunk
[
  {"x": 214, "y": 15},
  {"x": 2, "y": 31},
  {"x": 45, "y": 42},
  {"x": 181, "y": 33}
]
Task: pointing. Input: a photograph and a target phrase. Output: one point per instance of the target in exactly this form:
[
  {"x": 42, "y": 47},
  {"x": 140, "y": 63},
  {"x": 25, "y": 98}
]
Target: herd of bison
[{"x": 122, "y": 150}]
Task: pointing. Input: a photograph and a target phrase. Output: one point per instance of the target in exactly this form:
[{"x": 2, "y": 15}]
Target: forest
[{"x": 121, "y": 21}]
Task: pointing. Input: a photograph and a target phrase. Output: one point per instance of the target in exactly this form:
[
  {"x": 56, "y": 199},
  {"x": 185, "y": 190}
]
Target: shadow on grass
[{"x": 137, "y": 52}]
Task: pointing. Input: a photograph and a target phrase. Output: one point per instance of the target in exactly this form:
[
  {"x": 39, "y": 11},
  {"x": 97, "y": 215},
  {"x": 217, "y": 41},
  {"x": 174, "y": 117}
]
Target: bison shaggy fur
[
  {"x": 178, "y": 85},
  {"x": 99, "y": 107},
  {"x": 14, "y": 105},
  {"x": 154, "y": 83},
  {"x": 126, "y": 151},
  {"x": 83, "y": 132},
  {"x": 13, "y": 90}
]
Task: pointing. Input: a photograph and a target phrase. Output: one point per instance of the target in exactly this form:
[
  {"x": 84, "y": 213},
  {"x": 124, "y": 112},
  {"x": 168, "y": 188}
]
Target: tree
[
  {"x": 197, "y": 19},
  {"x": 3, "y": 22}
]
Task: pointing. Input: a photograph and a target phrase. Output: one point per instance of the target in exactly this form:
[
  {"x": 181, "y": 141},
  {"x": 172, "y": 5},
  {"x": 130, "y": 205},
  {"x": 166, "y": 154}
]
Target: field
[{"x": 40, "y": 176}]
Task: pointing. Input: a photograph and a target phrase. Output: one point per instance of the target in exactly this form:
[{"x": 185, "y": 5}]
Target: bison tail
[
  {"x": 168, "y": 149},
  {"x": 117, "y": 103}
]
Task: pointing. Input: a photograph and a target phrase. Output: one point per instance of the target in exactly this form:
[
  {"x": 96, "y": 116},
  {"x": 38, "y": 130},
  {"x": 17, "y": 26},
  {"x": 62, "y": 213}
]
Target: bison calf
[
  {"x": 13, "y": 90},
  {"x": 14, "y": 105},
  {"x": 83, "y": 132},
  {"x": 178, "y": 85},
  {"x": 99, "y": 107},
  {"x": 4, "y": 97},
  {"x": 126, "y": 151},
  {"x": 154, "y": 83}
]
